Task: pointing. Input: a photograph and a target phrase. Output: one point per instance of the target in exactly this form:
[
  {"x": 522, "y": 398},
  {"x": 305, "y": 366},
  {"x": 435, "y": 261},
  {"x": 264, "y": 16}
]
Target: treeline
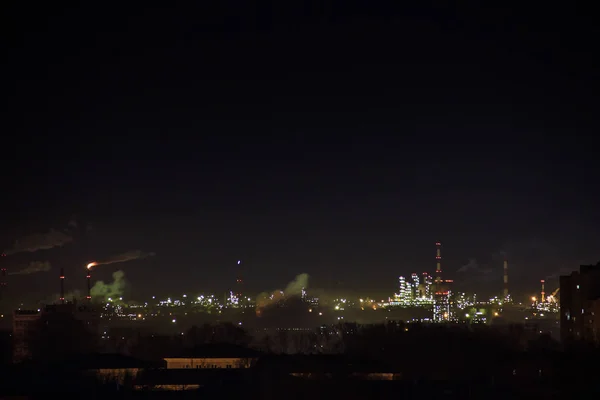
[{"x": 474, "y": 353}]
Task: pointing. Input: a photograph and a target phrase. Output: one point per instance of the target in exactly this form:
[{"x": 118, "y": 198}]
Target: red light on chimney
[
  {"x": 438, "y": 244},
  {"x": 542, "y": 281}
]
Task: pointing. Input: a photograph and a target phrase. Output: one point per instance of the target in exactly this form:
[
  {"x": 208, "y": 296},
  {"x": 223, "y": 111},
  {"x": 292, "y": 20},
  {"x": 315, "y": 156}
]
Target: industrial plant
[
  {"x": 420, "y": 297},
  {"x": 419, "y": 300}
]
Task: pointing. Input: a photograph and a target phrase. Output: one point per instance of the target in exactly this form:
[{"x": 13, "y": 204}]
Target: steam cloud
[
  {"x": 294, "y": 288},
  {"x": 128, "y": 256},
  {"x": 102, "y": 291},
  {"x": 471, "y": 265},
  {"x": 33, "y": 267},
  {"x": 69, "y": 296},
  {"x": 480, "y": 273},
  {"x": 40, "y": 241}
]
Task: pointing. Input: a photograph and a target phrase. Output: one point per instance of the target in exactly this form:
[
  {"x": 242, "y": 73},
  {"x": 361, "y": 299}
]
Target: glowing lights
[{"x": 92, "y": 264}]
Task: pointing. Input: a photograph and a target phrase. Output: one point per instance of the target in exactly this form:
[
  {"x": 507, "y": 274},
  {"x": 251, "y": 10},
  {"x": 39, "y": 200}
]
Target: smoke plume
[
  {"x": 471, "y": 265},
  {"x": 128, "y": 256},
  {"x": 33, "y": 267},
  {"x": 40, "y": 241},
  {"x": 294, "y": 288},
  {"x": 476, "y": 272},
  {"x": 102, "y": 291},
  {"x": 73, "y": 295}
]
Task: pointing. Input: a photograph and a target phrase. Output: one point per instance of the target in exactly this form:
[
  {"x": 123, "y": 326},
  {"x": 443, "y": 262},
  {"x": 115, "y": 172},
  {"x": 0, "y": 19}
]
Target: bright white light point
[{"x": 239, "y": 262}]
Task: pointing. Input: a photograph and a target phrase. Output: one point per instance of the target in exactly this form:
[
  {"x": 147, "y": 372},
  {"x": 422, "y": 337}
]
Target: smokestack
[
  {"x": 62, "y": 286},
  {"x": 543, "y": 282},
  {"x": 239, "y": 280},
  {"x": 505, "y": 280},
  {"x": 438, "y": 266},
  {"x": 89, "y": 286},
  {"x": 2, "y": 279}
]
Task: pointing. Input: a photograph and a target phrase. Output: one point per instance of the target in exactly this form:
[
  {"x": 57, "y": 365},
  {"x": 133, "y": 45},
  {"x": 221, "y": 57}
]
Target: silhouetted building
[
  {"x": 24, "y": 323},
  {"x": 214, "y": 356},
  {"x": 23, "y": 320},
  {"x": 580, "y": 304},
  {"x": 85, "y": 313}
]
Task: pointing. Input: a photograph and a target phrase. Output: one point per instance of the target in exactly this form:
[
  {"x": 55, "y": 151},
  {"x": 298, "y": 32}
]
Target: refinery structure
[
  {"x": 420, "y": 297},
  {"x": 447, "y": 305},
  {"x": 425, "y": 291}
]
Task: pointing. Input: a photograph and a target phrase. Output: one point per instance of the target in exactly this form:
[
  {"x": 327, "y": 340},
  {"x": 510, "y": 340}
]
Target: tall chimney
[
  {"x": 438, "y": 266},
  {"x": 2, "y": 280},
  {"x": 505, "y": 279},
  {"x": 62, "y": 286},
  {"x": 543, "y": 282},
  {"x": 89, "y": 286}
]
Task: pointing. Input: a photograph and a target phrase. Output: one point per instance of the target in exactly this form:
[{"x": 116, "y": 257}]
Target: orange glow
[{"x": 92, "y": 264}]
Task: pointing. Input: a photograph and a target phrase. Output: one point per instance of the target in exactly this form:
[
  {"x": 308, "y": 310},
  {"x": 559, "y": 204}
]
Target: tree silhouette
[{"x": 220, "y": 333}]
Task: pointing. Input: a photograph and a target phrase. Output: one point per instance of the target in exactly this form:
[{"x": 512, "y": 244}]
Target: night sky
[{"x": 335, "y": 140}]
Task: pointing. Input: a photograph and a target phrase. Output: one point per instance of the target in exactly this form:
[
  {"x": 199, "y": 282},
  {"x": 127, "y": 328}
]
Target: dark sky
[{"x": 342, "y": 141}]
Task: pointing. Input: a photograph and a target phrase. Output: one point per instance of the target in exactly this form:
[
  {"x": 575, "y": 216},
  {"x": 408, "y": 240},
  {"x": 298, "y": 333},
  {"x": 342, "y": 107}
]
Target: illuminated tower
[
  {"x": 438, "y": 266},
  {"x": 89, "y": 286},
  {"x": 543, "y": 282},
  {"x": 62, "y": 286},
  {"x": 428, "y": 284},
  {"x": 505, "y": 280},
  {"x": 402, "y": 289},
  {"x": 415, "y": 286},
  {"x": 2, "y": 279},
  {"x": 441, "y": 296},
  {"x": 239, "y": 282}
]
